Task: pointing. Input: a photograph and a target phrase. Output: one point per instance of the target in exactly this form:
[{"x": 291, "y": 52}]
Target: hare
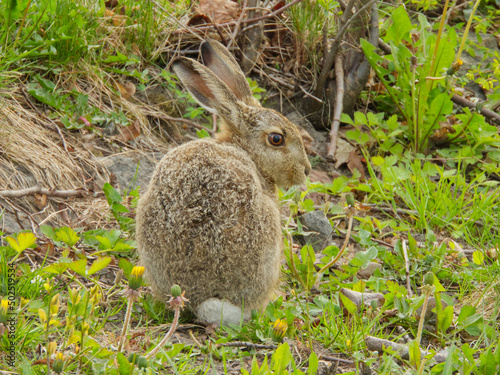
[{"x": 210, "y": 219}]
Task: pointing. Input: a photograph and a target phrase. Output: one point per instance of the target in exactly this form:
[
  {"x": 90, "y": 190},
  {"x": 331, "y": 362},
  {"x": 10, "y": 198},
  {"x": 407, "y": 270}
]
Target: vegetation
[{"x": 419, "y": 236}]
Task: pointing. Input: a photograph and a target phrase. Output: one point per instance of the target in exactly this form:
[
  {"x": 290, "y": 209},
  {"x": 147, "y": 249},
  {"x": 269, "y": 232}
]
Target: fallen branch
[
  {"x": 39, "y": 190},
  {"x": 187, "y": 122},
  {"x": 244, "y": 344},
  {"x": 484, "y": 111},
  {"x": 339, "y": 105}
]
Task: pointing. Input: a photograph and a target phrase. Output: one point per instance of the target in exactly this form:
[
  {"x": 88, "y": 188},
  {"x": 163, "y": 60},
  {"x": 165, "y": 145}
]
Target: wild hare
[{"x": 210, "y": 220}]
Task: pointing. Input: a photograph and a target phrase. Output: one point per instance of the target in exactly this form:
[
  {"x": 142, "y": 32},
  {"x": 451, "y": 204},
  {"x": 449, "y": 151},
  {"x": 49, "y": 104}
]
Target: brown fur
[{"x": 210, "y": 219}]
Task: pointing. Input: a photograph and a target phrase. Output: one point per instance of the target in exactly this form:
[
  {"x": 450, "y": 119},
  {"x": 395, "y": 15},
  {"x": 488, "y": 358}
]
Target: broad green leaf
[
  {"x": 68, "y": 236},
  {"x": 401, "y": 26},
  {"x": 22, "y": 242},
  {"x": 362, "y": 258},
  {"x": 478, "y": 257},
  {"x": 126, "y": 266},
  {"x": 415, "y": 354},
  {"x": 312, "y": 369},
  {"x": 202, "y": 133},
  {"x": 111, "y": 194},
  {"x": 447, "y": 318},
  {"x": 79, "y": 266},
  {"x": 57, "y": 268},
  {"x": 348, "y": 304},
  {"x": 281, "y": 359},
  {"x": 98, "y": 265},
  {"x": 124, "y": 367}
]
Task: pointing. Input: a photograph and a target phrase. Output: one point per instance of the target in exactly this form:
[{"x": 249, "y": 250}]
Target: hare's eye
[{"x": 276, "y": 139}]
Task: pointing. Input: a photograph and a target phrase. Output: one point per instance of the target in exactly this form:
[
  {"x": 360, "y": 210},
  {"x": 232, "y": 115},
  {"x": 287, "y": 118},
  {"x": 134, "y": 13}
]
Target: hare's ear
[
  {"x": 208, "y": 90},
  {"x": 220, "y": 61}
]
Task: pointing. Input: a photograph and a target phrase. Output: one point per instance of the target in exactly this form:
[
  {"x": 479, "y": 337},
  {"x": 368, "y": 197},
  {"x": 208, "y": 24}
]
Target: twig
[
  {"x": 238, "y": 24},
  {"x": 39, "y": 190},
  {"x": 332, "y": 53},
  {"x": 333, "y": 359},
  {"x": 243, "y": 344},
  {"x": 484, "y": 111},
  {"x": 407, "y": 268},
  {"x": 339, "y": 105},
  {"x": 186, "y": 121}
]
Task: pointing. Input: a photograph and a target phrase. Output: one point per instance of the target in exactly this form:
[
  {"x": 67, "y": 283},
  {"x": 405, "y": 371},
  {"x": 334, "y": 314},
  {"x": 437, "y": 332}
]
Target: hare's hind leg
[{"x": 218, "y": 311}]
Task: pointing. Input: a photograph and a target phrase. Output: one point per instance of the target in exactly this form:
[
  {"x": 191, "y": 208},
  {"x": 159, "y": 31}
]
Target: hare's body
[
  {"x": 204, "y": 235},
  {"x": 210, "y": 220}
]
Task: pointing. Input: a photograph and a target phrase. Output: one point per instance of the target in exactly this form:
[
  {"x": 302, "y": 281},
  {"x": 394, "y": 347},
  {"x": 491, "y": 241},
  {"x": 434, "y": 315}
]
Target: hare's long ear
[
  {"x": 220, "y": 61},
  {"x": 206, "y": 87}
]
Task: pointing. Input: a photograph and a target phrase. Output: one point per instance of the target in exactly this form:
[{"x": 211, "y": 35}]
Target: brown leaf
[
  {"x": 127, "y": 89},
  {"x": 129, "y": 133},
  {"x": 355, "y": 163},
  {"x": 40, "y": 201},
  {"x": 110, "y": 4},
  {"x": 220, "y": 11},
  {"x": 319, "y": 176},
  {"x": 342, "y": 155},
  {"x": 199, "y": 19}
]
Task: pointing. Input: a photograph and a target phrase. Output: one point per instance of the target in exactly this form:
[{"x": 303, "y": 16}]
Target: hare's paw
[{"x": 219, "y": 311}]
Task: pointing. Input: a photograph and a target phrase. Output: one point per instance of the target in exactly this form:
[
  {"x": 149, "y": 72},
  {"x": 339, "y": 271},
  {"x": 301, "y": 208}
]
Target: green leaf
[
  {"x": 111, "y": 194},
  {"x": 415, "y": 354},
  {"x": 68, "y": 236},
  {"x": 312, "y": 369},
  {"x": 478, "y": 257},
  {"x": 126, "y": 266},
  {"x": 57, "y": 268},
  {"x": 22, "y": 242},
  {"x": 362, "y": 258},
  {"x": 447, "y": 318},
  {"x": 281, "y": 359},
  {"x": 98, "y": 265},
  {"x": 401, "y": 26},
  {"x": 124, "y": 367},
  {"x": 348, "y": 304},
  {"x": 79, "y": 266},
  {"x": 202, "y": 133}
]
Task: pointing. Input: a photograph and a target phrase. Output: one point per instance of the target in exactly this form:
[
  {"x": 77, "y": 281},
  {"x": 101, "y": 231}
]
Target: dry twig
[
  {"x": 339, "y": 105},
  {"x": 39, "y": 190}
]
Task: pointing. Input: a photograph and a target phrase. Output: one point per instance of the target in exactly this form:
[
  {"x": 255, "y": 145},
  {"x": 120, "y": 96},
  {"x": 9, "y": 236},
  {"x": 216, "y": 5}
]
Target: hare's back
[{"x": 206, "y": 224}]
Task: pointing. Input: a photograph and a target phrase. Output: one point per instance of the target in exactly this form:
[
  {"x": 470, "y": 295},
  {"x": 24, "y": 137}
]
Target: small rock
[
  {"x": 430, "y": 316},
  {"x": 317, "y": 222},
  {"x": 369, "y": 270}
]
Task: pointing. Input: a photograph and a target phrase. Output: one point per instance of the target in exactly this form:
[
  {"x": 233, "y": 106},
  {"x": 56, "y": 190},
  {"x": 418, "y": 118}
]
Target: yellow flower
[
  {"x": 279, "y": 330},
  {"x": 4, "y": 311},
  {"x": 135, "y": 280},
  {"x": 58, "y": 364},
  {"x": 137, "y": 271}
]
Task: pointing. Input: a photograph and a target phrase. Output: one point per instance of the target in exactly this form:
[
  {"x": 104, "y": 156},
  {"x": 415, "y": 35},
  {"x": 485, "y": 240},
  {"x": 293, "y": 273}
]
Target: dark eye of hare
[{"x": 276, "y": 139}]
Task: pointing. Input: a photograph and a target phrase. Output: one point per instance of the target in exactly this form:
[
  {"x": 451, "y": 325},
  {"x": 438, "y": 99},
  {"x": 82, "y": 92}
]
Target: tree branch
[{"x": 39, "y": 190}]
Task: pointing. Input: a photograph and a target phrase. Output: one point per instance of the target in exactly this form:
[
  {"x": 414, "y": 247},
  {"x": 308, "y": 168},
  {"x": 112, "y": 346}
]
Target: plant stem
[
  {"x": 170, "y": 332},
  {"x": 126, "y": 322},
  {"x": 466, "y": 32}
]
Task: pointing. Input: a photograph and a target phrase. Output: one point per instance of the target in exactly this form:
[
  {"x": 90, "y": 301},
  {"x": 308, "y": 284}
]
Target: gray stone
[
  {"x": 318, "y": 223},
  {"x": 131, "y": 170}
]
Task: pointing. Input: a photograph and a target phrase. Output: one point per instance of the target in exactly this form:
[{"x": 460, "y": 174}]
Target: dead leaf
[
  {"x": 110, "y": 4},
  {"x": 199, "y": 19},
  {"x": 319, "y": 176},
  {"x": 40, "y": 201},
  {"x": 355, "y": 163},
  {"x": 220, "y": 11},
  {"x": 129, "y": 133},
  {"x": 127, "y": 89},
  {"x": 342, "y": 155}
]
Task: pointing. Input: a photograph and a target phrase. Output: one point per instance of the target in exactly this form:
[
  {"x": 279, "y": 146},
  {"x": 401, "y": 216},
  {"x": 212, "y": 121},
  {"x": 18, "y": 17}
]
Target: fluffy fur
[{"x": 210, "y": 219}]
